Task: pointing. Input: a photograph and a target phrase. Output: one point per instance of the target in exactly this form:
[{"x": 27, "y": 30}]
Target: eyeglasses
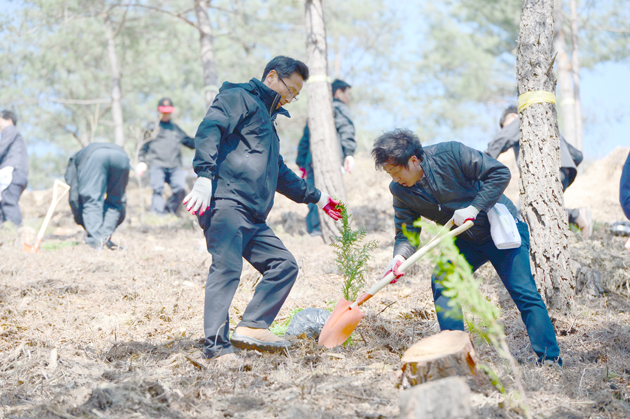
[{"x": 292, "y": 95}]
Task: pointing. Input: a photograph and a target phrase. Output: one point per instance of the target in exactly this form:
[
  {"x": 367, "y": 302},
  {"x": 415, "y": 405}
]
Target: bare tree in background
[
  {"x": 575, "y": 70},
  {"x": 542, "y": 201},
  {"x": 323, "y": 136},
  {"x": 116, "y": 93},
  {"x": 208, "y": 61},
  {"x": 565, "y": 83}
]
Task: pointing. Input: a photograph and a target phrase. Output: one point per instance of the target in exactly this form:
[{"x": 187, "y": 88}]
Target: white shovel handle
[
  {"x": 56, "y": 199},
  {"x": 414, "y": 258}
]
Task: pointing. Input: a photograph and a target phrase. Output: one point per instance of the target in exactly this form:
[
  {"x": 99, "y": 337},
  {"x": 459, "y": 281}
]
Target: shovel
[
  {"x": 347, "y": 315},
  {"x": 55, "y": 200}
]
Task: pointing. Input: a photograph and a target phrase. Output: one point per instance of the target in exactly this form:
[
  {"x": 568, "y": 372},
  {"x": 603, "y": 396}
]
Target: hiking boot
[
  {"x": 113, "y": 246},
  {"x": 584, "y": 222},
  {"x": 259, "y": 339},
  {"x": 549, "y": 362}
]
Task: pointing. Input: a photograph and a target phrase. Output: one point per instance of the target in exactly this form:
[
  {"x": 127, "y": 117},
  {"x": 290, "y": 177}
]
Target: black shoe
[
  {"x": 552, "y": 362},
  {"x": 113, "y": 246}
]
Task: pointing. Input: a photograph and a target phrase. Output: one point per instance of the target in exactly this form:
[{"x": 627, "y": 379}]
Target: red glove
[
  {"x": 329, "y": 206},
  {"x": 393, "y": 267},
  {"x": 302, "y": 172}
]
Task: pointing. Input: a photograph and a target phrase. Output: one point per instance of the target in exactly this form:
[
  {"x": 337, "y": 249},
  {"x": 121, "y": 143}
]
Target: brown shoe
[
  {"x": 259, "y": 339},
  {"x": 585, "y": 222}
]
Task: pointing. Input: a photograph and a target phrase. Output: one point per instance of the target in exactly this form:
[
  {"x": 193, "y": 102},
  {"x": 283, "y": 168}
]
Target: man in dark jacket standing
[
  {"x": 13, "y": 168},
  {"x": 451, "y": 181},
  {"x": 98, "y": 176},
  {"x": 162, "y": 153},
  {"x": 570, "y": 158},
  {"x": 347, "y": 145},
  {"x": 240, "y": 168}
]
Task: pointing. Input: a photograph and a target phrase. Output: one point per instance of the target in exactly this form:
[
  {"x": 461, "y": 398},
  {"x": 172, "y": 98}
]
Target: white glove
[
  {"x": 462, "y": 215},
  {"x": 393, "y": 267},
  {"x": 141, "y": 168},
  {"x": 199, "y": 198},
  {"x": 349, "y": 164},
  {"x": 323, "y": 200}
]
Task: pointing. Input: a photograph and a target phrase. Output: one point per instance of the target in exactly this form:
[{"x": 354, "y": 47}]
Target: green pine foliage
[{"x": 352, "y": 255}]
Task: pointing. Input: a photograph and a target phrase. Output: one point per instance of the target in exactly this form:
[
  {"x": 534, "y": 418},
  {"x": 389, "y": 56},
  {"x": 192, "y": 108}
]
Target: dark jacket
[
  {"x": 508, "y": 137},
  {"x": 345, "y": 136},
  {"x": 165, "y": 150},
  {"x": 624, "y": 188},
  {"x": 13, "y": 150},
  {"x": 237, "y": 146},
  {"x": 457, "y": 176},
  {"x": 75, "y": 164}
]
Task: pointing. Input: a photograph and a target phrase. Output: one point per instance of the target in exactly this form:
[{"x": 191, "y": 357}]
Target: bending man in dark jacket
[
  {"x": 347, "y": 146},
  {"x": 240, "y": 168},
  {"x": 162, "y": 152},
  {"x": 451, "y": 181},
  {"x": 98, "y": 176},
  {"x": 13, "y": 168},
  {"x": 570, "y": 158}
]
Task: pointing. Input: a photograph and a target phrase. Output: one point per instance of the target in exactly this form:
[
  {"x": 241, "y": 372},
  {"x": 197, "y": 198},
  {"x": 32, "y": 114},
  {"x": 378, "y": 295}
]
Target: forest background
[{"x": 444, "y": 69}]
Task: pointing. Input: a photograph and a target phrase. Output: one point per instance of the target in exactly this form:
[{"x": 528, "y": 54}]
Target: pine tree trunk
[
  {"x": 542, "y": 201},
  {"x": 117, "y": 114},
  {"x": 575, "y": 69},
  {"x": 210, "y": 78},
  {"x": 566, "y": 100},
  {"x": 320, "y": 114}
]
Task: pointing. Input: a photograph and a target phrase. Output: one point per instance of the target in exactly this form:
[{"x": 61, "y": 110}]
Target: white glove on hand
[
  {"x": 462, "y": 215},
  {"x": 393, "y": 267},
  {"x": 349, "y": 164},
  {"x": 141, "y": 168},
  {"x": 323, "y": 200},
  {"x": 199, "y": 198}
]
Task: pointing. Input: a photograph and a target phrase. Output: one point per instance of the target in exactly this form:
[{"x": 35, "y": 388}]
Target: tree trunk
[
  {"x": 320, "y": 114},
  {"x": 447, "y": 398},
  {"x": 575, "y": 69},
  {"x": 567, "y": 108},
  {"x": 117, "y": 115},
  {"x": 210, "y": 78},
  {"x": 542, "y": 201}
]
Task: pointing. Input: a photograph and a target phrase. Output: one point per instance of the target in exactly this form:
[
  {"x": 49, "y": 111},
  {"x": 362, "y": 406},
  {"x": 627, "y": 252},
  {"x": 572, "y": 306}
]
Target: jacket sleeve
[
  {"x": 9, "y": 134},
  {"x": 226, "y": 112},
  {"x": 304, "y": 149},
  {"x": 576, "y": 155},
  {"x": 477, "y": 166},
  {"x": 500, "y": 144},
  {"x": 185, "y": 139},
  {"x": 624, "y": 188},
  {"x": 294, "y": 188},
  {"x": 148, "y": 134},
  {"x": 404, "y": 216},
  {"x": 345, "y": 129}
]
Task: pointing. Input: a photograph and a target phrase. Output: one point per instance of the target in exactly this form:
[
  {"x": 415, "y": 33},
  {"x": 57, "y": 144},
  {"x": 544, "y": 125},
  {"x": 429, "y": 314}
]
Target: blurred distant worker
[
  {"x": 13, "y": 168},
  {"x": 162, "y": 152},
  {"x": 624, "y": 192},
  {"x": 347, "y": 145},
  {"x": 570, "y": 158},
  {"x": 240, "y": 169},
  {"x": 98, "y": 176}
]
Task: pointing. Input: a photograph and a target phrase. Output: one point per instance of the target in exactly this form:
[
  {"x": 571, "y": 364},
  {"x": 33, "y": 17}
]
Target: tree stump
[
  {"x": 449, "y": 353},
  {"x": 448, "y": 398}
]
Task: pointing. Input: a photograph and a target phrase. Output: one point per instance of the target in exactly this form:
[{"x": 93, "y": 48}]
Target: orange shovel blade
[
  {"x": 340, "y": 324},
  {"x": 31, "y": 249}
]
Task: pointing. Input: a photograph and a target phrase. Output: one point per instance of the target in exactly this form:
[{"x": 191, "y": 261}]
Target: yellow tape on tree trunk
[
  {"x": 319, "y": 77},
  {"x": 539, "y": 96}
]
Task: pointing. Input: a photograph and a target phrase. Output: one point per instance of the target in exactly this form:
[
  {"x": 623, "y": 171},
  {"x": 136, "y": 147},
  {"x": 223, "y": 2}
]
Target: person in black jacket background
[
  {"x": 98, "y": 176},
  {"x": 13, "y": 168},
  {"x": 239, "y": 168},
  {"x": 451, "y": 181},
  {"x": 162, "y": 154},
  {"x": 347, "y": 145}
]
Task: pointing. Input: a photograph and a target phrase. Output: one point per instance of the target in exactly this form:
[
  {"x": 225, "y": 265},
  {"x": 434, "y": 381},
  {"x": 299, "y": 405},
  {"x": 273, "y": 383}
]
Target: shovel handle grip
[{"x": 416, "y": 256}]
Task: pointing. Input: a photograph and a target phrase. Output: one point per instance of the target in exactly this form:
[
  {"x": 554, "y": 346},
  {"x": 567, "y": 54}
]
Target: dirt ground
[{"x": 117, "y": 334}]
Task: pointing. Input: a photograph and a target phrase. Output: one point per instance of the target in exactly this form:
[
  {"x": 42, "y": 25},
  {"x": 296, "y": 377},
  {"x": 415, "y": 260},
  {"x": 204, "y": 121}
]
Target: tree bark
[
  {"x": 447, "y": 398},
  {"x": 542, "y": 201},
  {"x": 323, "y": 135},
  {"x": 117, "y": 114},
  {"x": 567, "y": 101},
  {"x": 575, "y": 69},
  {"x": 208, "y": 58}
]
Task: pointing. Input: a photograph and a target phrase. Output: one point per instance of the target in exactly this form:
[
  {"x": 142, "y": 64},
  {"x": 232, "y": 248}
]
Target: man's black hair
[
  {"x": 6, "y": 114},
  {"x": 396, "y": 147},
  {"x": 286, "y": 66},
  {"x": 339, "y": 84},
  {"x": 510, "y": 109}
]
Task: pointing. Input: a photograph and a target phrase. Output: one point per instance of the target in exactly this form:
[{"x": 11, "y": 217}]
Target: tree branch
[{"x": 68, "y": 101}]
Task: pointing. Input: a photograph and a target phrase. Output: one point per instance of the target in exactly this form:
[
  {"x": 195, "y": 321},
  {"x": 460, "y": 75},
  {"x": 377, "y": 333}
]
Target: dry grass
[{"x": 117, "y": 334}]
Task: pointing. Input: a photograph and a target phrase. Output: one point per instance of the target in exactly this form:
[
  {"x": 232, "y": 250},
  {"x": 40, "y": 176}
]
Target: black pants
[
  {"x": 9, "y": 208},
  {"x": 232, "y": 234},
  {"x": 176, "y": 179},
  {"x": 572, "y": 212},
  {"x": 102, "y": 183}
]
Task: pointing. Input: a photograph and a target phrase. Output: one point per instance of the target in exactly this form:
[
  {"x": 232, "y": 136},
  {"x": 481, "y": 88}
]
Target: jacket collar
[{"x": 268, "y": 97}]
